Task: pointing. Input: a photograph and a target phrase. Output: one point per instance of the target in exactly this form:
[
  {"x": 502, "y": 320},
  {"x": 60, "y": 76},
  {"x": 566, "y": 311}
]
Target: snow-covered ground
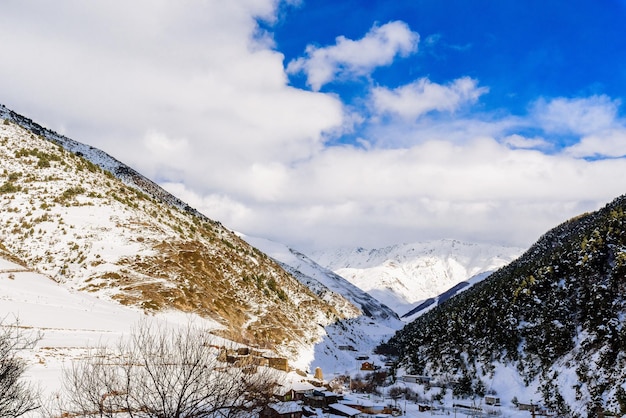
[
  {"x": 70, "y": 322},
  {"x": 447, "y": 407}
]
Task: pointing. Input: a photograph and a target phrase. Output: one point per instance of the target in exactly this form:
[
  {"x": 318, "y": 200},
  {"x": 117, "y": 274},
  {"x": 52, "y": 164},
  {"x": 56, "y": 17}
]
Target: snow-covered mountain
[
  {"x": 550, "y": 326},
  {"x": 89, "y": 246},
  {"x": 318, "y": 277},
  {"x": 402, "y": 276},
  {"x": 92, "y": 224}
]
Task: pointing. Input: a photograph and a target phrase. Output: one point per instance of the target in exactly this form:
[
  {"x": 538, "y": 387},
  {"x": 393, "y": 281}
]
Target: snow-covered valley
[{"x": 87, "y": 254}]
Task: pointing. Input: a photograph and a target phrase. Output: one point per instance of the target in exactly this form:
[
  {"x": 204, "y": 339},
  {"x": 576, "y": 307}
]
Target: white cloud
[
  {"x": 578, "y": 116},
  {"x": 189, "y": 95},
  {"x": 610, "y": 143},
  {"x": 348, "y": 58},
  {"x": 480, "y": 191},
  {"x": 593, "y": 121},
  {"x": 422, "y": 96},
  {"x": 194, "y": 74},
  {"x": 519, "y": 141}
]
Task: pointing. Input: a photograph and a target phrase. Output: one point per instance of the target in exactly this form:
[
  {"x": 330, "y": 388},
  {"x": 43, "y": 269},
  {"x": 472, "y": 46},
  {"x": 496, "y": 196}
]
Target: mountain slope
[
  {"x": 95, "y": 225},
  {"x": 402, "y": 276},
  {"x": 362, "y": 333},
  {"x": 69, "y": 322},
  {"x": 430, "y": 303},
  {"x": 318, "y": 277},
  {"x": 555, "y": 317}
]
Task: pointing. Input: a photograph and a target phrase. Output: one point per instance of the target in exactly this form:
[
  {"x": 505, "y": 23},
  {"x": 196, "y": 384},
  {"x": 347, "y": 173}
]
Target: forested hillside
[{"x": 555, "y": 315}]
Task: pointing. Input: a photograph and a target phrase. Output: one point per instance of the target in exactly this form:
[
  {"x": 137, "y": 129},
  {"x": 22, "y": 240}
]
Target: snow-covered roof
[
  {"x": 344, "y": 409},
  {"x": 302, "y": 386},
  {"x": 366, "y": 403},
  {"x": 281, "y": 390},
  {"x": 286, "y": 407}
]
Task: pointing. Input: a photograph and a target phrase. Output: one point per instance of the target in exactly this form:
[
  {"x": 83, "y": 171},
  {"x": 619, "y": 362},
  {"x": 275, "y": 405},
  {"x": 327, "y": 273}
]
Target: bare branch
[
  {"x": 166, "y": 373},
  {"x": 16, "y": 396}
]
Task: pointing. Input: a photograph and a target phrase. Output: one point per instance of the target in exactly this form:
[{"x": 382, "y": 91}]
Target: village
[{"x": 373, "y": 391}]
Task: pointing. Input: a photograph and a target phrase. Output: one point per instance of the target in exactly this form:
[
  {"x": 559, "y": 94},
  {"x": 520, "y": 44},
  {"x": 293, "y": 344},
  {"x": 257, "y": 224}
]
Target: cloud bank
[{"x": 197, "y": 97}]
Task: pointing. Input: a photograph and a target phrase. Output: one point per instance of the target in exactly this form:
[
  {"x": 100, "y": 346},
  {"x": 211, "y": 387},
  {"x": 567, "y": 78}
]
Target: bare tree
[
  {"x": 95, "y": 386},
  {"x": 166, "y": 373},
  {"x": 17, "y": 397}
]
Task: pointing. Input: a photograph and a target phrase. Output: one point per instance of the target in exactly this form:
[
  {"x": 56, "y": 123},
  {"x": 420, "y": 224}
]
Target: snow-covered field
[{"x": 70, "y": 322}]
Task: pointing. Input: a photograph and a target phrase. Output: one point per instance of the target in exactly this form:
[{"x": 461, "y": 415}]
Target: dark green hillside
[{"x": 561, "y": 304}]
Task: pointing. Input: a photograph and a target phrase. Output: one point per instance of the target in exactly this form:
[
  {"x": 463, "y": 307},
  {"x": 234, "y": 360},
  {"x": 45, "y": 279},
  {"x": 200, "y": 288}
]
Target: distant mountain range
[{"x": 406, "y": 276}]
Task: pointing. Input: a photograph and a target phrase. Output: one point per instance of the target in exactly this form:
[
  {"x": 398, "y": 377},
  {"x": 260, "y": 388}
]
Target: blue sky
[
  {"x": 521, "y": 51},
  {"x": 340, "y": 123}
]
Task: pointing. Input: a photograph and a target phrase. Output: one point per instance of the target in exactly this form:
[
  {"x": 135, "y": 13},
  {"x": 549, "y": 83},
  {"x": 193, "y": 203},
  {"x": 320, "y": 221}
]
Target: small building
[
  {"x": 422, "y": 407},
  {"x": 527, "y": 406},
  {"x": 278, "y": 363},
  {"x": 363, "y": 405},
  {"x": 412, "y": 378},
  {"x": 320, "y": 399},
  {"x": 301, "y": 389},
  {"x": 366, "y": 406},
  {"x": 366, "y": 365},
  {"x": 343, "y": 410},
  {"x": 492, "y": 400},
  {"x": 284, "y": 393},
  {"x": 283, "y": 410}
]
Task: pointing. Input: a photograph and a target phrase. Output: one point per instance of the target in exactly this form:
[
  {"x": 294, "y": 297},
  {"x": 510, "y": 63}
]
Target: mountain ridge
[
  {"x": 315, "y": 275},
  {"x": 554, "y": 317}
]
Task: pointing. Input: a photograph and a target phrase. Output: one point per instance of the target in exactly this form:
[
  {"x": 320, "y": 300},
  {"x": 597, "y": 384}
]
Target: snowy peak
[
  {"x": 404, "y": 275},
  {"x": 469, "y": 254}
]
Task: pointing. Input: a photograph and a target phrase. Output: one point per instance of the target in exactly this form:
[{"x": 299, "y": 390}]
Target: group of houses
[{"x": 305, "y": 399}]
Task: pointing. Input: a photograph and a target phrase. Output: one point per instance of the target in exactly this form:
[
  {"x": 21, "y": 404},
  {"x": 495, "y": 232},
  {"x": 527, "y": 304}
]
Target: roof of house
[
  {"x": 345, "y": 409},
  {"x": 281, "y": 390},
  {"x": 302, "y": 386},
  {"x": 366, "y": 403},
  {"x": 286, "y": 407}
]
